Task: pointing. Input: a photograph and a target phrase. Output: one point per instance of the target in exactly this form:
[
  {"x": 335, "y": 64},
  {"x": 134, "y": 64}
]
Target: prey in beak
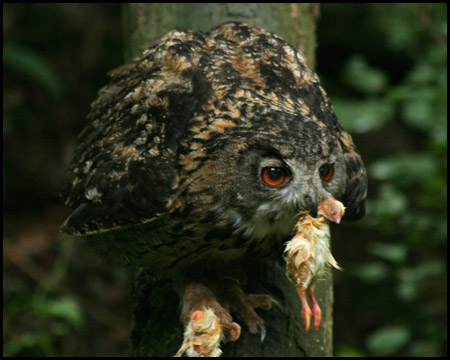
[
  {"x": 332, "y": 210},
  {"x": 308, "y": 252}
]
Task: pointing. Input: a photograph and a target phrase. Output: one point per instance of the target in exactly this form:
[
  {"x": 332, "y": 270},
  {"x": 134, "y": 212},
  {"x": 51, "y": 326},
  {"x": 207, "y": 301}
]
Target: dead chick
[{"x": 308, "y": 252}]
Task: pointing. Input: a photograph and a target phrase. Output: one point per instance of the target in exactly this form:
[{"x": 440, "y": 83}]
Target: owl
[{"x": 201, "y": 154}]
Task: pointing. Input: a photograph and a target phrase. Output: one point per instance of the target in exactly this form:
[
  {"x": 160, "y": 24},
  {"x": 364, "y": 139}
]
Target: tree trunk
[{"x": 157, "y": 330}]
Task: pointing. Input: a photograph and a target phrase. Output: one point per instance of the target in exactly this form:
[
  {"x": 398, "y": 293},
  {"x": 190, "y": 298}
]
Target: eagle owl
[{"x": 201, "y": 154}]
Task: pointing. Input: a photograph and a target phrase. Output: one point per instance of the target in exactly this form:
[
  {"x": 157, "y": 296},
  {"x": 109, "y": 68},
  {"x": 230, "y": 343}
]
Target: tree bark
[{"x": 157, "y": 330}]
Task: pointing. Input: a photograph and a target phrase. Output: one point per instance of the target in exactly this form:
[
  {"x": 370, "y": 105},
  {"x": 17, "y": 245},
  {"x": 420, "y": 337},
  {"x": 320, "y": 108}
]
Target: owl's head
[
  {"x": 259, "y": 178},
  {"x": 290, "y": 173}
]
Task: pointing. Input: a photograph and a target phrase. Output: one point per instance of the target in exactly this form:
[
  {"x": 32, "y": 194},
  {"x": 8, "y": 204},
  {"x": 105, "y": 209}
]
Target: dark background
[{"x": 384, "y": 67}]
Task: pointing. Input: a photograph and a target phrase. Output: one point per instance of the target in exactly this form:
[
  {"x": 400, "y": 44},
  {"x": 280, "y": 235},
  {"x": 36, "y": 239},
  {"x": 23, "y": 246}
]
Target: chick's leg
[
  {"x": 306, "y": 310},
  {"x": 315, "y": 309}
]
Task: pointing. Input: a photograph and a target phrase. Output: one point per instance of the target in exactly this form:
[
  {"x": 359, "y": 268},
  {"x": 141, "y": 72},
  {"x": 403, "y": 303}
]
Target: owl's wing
[
  {"x": 134, "y": 197},
  {"x": 114, "y": 205},
  {"x": 356, "y": 186},
  {"x": 124, "y": 167}
]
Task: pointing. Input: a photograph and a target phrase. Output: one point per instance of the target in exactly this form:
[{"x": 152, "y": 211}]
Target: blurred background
[{"x": 384, "y": 67}]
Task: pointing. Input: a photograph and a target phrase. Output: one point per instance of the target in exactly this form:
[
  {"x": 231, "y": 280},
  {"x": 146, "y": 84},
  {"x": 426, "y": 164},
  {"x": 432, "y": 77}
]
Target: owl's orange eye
[
  {"x": 274, "y": 176},
  {"x": 326, "y": 172}
]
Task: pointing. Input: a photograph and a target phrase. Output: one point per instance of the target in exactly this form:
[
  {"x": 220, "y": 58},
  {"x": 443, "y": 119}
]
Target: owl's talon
[
  {"x": 261, "y": 301},
  {"x": 256, "y": 328},
  {"x": 262, "y": 331},
  {"x": 277, "y": 304}
]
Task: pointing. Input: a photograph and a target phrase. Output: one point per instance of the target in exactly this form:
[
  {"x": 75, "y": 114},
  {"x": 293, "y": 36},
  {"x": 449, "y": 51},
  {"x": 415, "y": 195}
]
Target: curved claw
[
  {"x": 277, "y": 304},
  {"x": 258, "y": 328},
  {"x": 262, "y": 331}
]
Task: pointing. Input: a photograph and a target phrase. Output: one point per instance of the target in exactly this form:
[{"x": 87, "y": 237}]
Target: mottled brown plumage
[{"x": 201, "y": 153}]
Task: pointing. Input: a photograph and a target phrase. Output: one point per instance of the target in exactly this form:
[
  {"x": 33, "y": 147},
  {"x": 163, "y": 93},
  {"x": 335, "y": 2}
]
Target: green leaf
[
  {"x": 344, "y": 350},
  {"x": 363, "y": 115},
  {"x": 405, "y": 166},
  {"x": 64, "y": 308},
  {"x": 30, "y": 343},
  {"x": 390, "y": 201},
  {"x": 363, "y": 77},
  {"x": 30, "y": 63},
  {"x": 388, "y": 340},
  {"x": 371, "y": 272},
  {"x": 392, "y": 252}
]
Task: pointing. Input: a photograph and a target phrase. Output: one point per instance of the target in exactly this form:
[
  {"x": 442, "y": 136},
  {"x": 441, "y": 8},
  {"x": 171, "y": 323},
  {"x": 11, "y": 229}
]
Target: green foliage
[
  {"x": 364, "y": 115},
  {"x": 31, "y": 63},
  {"x": 388, "y": 340},
  {"x": 407, "y": 212},
  {"x": 21, "y": 61},
  {"x": 363, "y": 77},
  {"x": 58, "y": 315},
  {"x": 63, "y": 308},
  {"x": 45, "y": 316}
]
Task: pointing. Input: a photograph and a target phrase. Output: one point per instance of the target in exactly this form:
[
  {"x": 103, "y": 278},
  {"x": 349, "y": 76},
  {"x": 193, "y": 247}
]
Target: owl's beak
[{"x": 311, "y": 201}]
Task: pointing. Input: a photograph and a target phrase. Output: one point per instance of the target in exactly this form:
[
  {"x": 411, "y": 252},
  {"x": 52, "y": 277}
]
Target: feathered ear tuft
[{"x": 356, "y": 186}]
